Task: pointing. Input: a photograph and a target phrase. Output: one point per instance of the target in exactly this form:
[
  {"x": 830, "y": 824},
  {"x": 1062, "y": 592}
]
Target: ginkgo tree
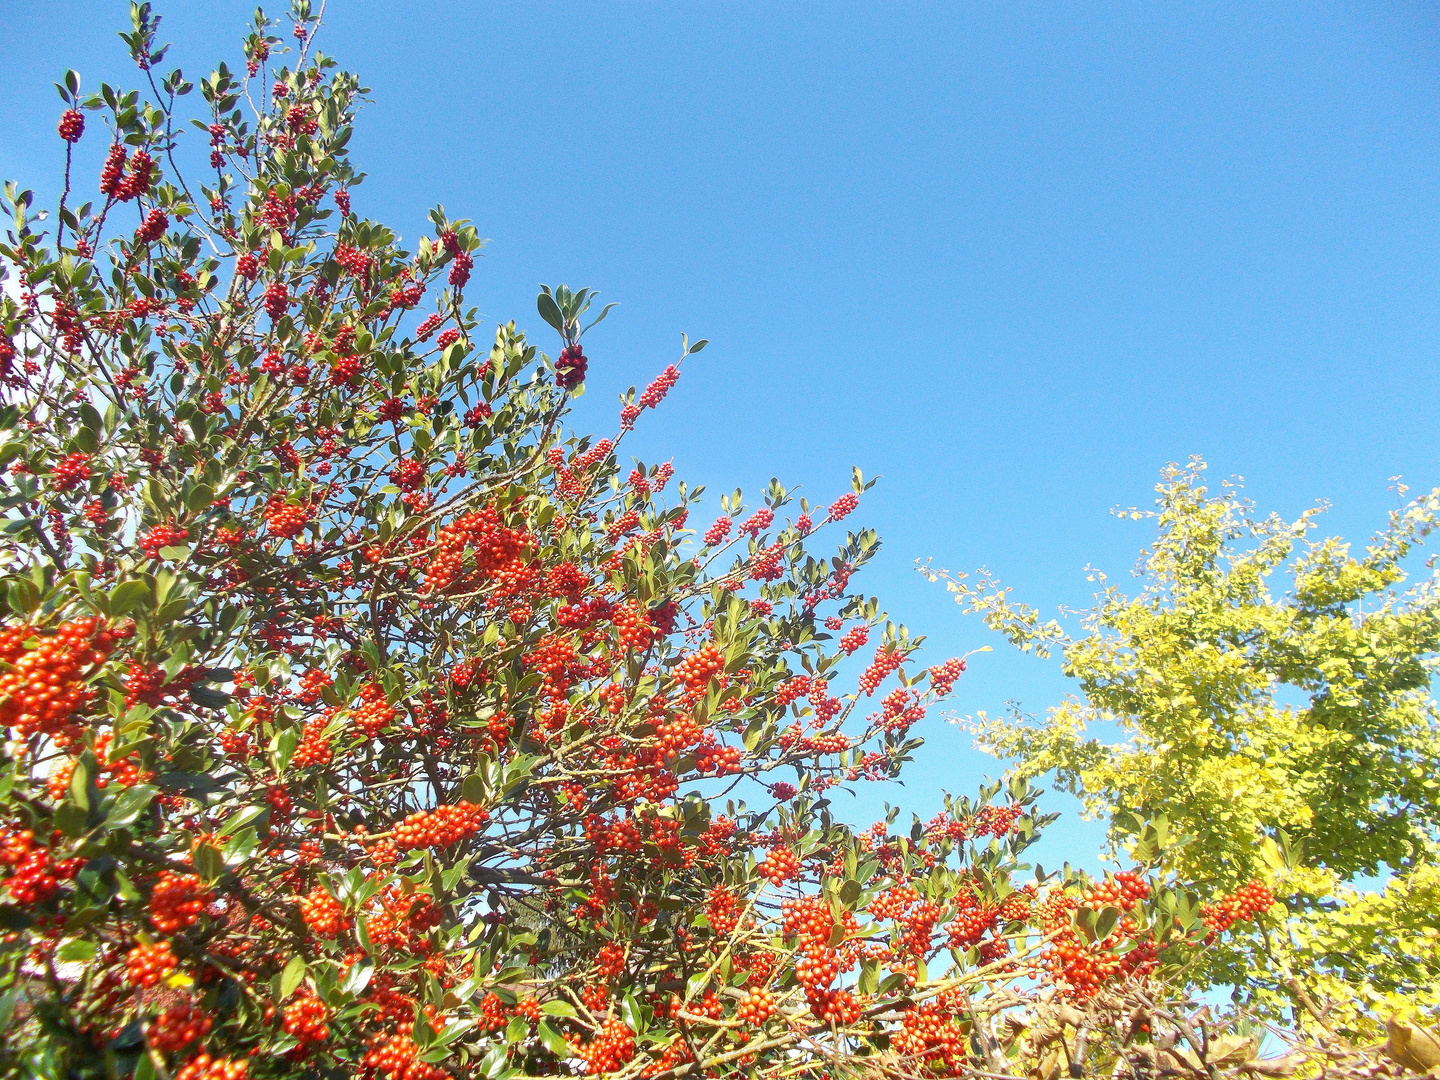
[{"x": 1266, "y": 696}]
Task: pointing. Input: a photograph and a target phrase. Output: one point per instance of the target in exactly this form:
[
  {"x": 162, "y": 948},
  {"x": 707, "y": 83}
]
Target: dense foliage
[
  {"x": 364, "y": 721},
  {"x": 1293, "y": 738}
]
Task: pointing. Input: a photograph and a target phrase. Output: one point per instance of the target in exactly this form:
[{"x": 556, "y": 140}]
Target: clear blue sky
[{"x": 1012, "y": 257}]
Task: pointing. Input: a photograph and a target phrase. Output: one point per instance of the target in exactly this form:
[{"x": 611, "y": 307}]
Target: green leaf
[
  {"x": 472, "y": 789},
  {"x": 76, "y": 951},
  {"x": 70, "y": 819},
  {"x": 129, "y": 805},
  {"x": 358, "y": 977},
  {"x": 1105, "y": 922},
  {"x": 127, "y": 596},
  {"x": 869, "y": 980},
  {"x": 85, "y": 768},
  {"x": 550, "y": 312},
  {"x": 240, "y": 818},
  {"x": 209, "y": 698},
  {"x": 559, "y": 1008},
  {"x": 292, "y": 976},
  {"x": 698, "y": 346},
  {"x": 553, "y": 1040},
  {"x": 200, "y": 498},
  {"x": 208, "y": 861}
]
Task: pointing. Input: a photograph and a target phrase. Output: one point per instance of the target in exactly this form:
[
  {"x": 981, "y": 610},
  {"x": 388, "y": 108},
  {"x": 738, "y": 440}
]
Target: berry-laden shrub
[{"x": 363, "y": 722}]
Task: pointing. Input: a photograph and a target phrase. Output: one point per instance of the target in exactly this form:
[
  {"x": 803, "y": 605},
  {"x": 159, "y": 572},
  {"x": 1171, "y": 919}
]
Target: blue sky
[{"x": 1012, "y": 257}]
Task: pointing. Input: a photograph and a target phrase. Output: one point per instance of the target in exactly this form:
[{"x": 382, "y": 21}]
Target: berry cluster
[
  {"x": 656, "y": 391},
  {"x": 152, "y": 228},
  {"x": 854, "y": 639},
  {"x": 697, "y": 669},
  {"x": 375, "y": 712},
  {"x": 124, "y": 181},
  {"x": 44, "y": 685},
  {"x": 1247, "y": 902},
  {"x": 886, "y": 660},
  {"x": 494, "y": 547},
  {"x": 146, "y": 965},
  {"x": 277, "y": 299},
  {"x": 779, "y": 866},
  {"x": 756, "y": 1007},
  {"x": 205, "y": 1067},
  {"x": 722, "y": 910},
  {"x": 71, "y": 471},
  {"x": 570, "y": 368},
  {"x": 718, "y": 531},
  {"x": 440, "y": 827},
  {"x": 323, "y": 914},
  {"x": 943, "y": 676},
  {"x": 177, "y": 900},
  {"x": 632, "y": 628},
  {"x": 612, "y": 1046},
  {"x": 72, "y": 125},
  {"x": 397, "y": 1058},
  {"x": 284, "y": 519},
  {"x": 177, "y": 1027},
  {"x": 307, "y": 1019},
  {"x": 934, "y": 1037},
  {"x": 161, "y": 537}
]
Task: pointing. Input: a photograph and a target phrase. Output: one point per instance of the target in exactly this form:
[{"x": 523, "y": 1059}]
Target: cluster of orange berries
[
  {"x": 314, "y": 747},
  {"x": 632, "y": 628},
  {"x": 34, "y": 878},
  {"x": 284, "y": 519},
  {"x": 1124, "y": 891},
  {"x": 756, "y": 1007},
  {"x": 609, "y": 961},
  {"x": 886, "y": 661},
  {"x": 817, "y": 966},
  {"x": 205, "y": 1067},
  {"x": 177, "y": 1027},
  {"x": 1243, "y": 905},
  {"x": 721, "y": 910},
  {"x": 679, "y": 732},
  {"x": 375, "y": 712},
  {"x": 396, "y": 1058},
  {"x": 307, "y": 1019},
  {"x": 45, "y": 685},
  {"x": 854, "y": 639},
  {"x": 71, "y": 471},
  {"x": 970, "y": 925},
  {"x": 323, "y": 914},
  {"x": 177, "y": 900},
  {"x": 161, "y": 537},
  {"x": 312, "y": 683},
  {"x": 712, "y": 759},
  {"x": 934, "y": 1037},
  {"x": 555, "y": 658},
  {"x": 612, "y": 1046},
  {"x": 791, "y": 690},
  {"x": 494, "y": 545},
  {"x": 146, "y": 965},
  {"x": 697, "y": 669},
  {"x": 779, "y": 866},
  {"x": 440, "y": 827},
  {"x": 1082, "y": 967}
]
